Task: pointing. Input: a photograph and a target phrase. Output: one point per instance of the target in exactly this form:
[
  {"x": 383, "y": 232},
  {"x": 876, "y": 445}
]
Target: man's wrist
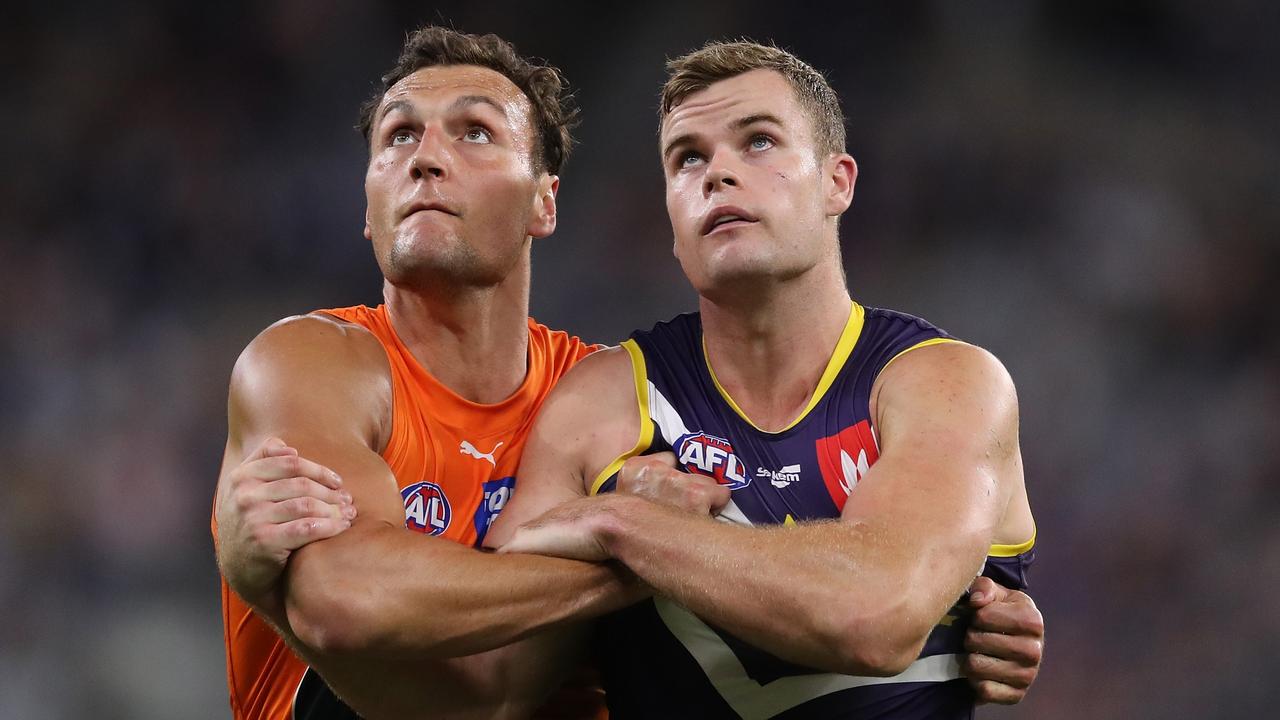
[{"x": 617, "y": 521}]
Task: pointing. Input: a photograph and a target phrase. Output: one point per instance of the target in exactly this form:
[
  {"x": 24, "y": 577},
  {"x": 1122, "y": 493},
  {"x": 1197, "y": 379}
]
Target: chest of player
[
  {"x": 454, "y": 485},
  {"x": 805, "y": 472}
]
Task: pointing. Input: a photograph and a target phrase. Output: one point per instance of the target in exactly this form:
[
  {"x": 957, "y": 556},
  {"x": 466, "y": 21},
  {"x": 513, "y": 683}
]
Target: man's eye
[
  {"x": 477, "y": 134},
  {"x": 761, "y": 142},
  {"x": 689, "y": 159},
  {"x": 401, "y": 137}
]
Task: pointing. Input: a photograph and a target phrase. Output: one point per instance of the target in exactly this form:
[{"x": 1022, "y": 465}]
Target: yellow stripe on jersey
[
  {"x": 844, "y": 348},
  {"x": 1012, "y": 550},
  {"x": 917, "y": 346},
  {"x": 641, "y": 378}
]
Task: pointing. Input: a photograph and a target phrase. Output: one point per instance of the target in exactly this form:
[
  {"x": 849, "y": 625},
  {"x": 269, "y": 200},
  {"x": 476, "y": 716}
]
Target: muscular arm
[
  {"x": 859, "y": 595},
  {"x": 588, "y": 420},
  {"x": 376, "y": 595}
]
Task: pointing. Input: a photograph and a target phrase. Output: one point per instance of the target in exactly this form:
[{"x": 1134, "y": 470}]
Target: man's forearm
[
  {"x": 384, "y": 592},
  {"x": 829, "y": 595}
]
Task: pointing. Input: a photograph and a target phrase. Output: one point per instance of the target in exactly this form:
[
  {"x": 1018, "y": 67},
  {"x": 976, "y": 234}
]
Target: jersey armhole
[
  {"x": 640, "y": 378},
  {"x": 917, "y": 346},
  {"x": 1013, "y": 550}
]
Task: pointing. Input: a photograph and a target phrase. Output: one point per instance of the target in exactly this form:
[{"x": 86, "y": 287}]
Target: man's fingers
[
  {"x": 983, "y": 591},
  {"x": 1016, "y": 615},
  {"x": 271, "y": 447},
  {"x": 665, "y": 458},
  {"x": 997, "y": 693},
  {"x": 655, "y": 477},
  {"x": 635, "y": 469},
  {"x": 302, "y": 487},
  {"x": 279, "y": 450},
  {"x": 298, "y": 508},
  {"x": 978, "y": 667},
  {"x": 296, "y": 533},
  {"x": 720, "y": 496},
  {"x": 1017, "y": 648},
  {"x": 292, "y": 465}
]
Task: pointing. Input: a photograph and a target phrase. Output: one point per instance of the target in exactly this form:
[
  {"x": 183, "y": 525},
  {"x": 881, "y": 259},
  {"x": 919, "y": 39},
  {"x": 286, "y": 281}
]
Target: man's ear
[
  {"x": 368, "y": 232},
  {"x": 841, "y": 174},
  {"x": 543, "y": 221}
]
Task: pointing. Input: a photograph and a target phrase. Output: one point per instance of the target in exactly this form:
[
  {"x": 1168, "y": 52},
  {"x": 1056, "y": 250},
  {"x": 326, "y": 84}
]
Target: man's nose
[
  {"x": 431, "y": 158},
  {"x": 721, "y": 172}
]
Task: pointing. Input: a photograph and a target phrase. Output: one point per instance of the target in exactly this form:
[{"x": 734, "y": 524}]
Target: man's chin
[
  {"x": 437, "y": 271},
  {"x": 738, "y": 270},
  {"x": 743, "y": 278}
]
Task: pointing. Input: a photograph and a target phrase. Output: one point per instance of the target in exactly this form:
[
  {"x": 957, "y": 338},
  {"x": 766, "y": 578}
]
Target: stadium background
[{"x": 1089, "y": 189}]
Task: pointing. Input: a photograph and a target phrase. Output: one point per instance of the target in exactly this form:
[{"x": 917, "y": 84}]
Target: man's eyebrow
[
  {"x": 685, "y": 139},
  {"x": 463, "y": 102},
  {"x": 468, "y": 100},
  {"x": 403, "y": 106},
  {"x": 757, "y": 118}
]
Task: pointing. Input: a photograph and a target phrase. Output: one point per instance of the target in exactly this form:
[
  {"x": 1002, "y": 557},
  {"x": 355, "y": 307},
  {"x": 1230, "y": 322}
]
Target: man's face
[
  {"x": 452, "y": 194},
  {"x": 748, "y": 195}
]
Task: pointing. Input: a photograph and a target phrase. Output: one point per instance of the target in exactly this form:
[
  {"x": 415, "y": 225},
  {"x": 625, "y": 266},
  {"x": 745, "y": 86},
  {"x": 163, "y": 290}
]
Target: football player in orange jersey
[{"x": 465, "y": 144}]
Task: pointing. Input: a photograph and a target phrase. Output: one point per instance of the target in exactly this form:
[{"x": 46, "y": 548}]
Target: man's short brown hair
[
  {"x": 718, "y": 61},
  {"x": 554, "y": 112}
]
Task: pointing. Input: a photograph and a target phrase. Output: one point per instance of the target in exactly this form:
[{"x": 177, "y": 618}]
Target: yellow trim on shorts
[
  {"x": 917, "y": 346},
  {"x": 641, "y": 378},
  {"x": 844, "y": 348},
  {"x": 1012, "y": 550}
]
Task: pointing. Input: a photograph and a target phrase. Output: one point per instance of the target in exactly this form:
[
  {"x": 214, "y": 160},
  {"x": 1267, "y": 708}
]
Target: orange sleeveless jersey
[{"x": 455, "y": 463}]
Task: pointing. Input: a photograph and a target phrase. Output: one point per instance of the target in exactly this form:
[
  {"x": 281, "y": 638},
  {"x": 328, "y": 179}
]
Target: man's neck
[
  {"x": 475, "y": 341},
  {"x": 769, "y": 356}
]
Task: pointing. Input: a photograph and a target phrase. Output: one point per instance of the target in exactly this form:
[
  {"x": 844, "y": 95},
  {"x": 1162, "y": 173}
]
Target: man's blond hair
[{"x": 718, "y": 61}]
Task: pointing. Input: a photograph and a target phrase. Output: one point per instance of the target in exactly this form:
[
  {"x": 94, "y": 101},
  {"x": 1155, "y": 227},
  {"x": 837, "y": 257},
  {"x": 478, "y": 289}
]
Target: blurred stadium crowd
[{"x": 1089, "y": 189}]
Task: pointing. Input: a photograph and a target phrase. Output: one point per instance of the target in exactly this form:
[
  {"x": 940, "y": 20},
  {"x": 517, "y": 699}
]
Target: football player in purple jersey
[{"x": 757, "y": 178}]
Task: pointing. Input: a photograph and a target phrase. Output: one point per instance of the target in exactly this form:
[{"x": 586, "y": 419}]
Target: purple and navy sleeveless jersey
[{"x": 661, "y": 661}]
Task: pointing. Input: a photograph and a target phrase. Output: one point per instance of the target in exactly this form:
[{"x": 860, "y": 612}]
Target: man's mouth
[
  {"x": 726, "y": 218},
  {"x": 428, "y": 206}
]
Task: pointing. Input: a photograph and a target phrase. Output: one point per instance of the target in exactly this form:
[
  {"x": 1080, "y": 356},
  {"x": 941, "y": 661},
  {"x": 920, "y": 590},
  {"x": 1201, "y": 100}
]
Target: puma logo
[{"x": 466, "y": 448}]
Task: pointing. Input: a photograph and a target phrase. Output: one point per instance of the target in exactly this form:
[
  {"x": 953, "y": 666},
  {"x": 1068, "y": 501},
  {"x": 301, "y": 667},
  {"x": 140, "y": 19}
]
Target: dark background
[{"x": 1089, "y": 189}]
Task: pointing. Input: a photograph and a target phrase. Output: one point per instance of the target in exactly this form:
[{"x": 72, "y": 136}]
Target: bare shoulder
[
  {"x": 594, "y": 403},
  {"x": 603, "y": 375},
  {"x": 310, "y": 369},
  {"x": 322, "y": 341},
  {"x": 949, "y": 404},
  {"x": 591, "y": 418},
  {"x": 948, "y": 373}
]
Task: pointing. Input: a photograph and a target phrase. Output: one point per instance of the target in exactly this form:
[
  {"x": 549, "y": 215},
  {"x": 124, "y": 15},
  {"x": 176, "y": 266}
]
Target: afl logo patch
[
  {"x": 712, "y": 456},
  {"x": 426, "y": 509}
]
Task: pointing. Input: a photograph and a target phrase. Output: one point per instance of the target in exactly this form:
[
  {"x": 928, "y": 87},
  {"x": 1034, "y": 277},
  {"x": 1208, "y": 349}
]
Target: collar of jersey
[{"x": 844, "y": 348}]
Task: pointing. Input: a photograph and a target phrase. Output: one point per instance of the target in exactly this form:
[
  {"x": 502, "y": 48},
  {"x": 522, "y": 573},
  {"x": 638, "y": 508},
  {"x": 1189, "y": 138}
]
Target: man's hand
[
  {"x": 1005, "y": 642},
  {"x": 268, "y": 506},
  {"x": 654, "y": 477},
  {"x": 577, "y": 530}
]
